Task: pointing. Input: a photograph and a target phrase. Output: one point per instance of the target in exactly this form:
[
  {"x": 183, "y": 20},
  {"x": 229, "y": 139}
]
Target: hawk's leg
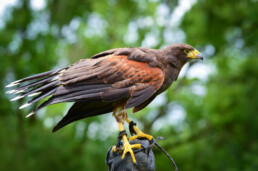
[
  {"x": 120, "y": 114},
  {"x": 134, "y": 130},
  {"x": 127, "y": 147}
]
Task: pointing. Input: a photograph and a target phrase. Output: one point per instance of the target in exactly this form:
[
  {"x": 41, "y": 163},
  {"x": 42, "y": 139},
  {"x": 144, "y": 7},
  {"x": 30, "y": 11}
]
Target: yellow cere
[{"x": 192, "y": 53}]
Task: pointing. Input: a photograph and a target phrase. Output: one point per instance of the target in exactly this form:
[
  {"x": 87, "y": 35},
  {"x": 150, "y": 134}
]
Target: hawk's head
[{"x": 183, "y": 52}]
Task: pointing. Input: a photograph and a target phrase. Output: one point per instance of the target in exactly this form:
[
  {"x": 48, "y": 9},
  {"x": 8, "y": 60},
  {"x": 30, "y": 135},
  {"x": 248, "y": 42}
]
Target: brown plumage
[{"x": 115, "y": 79}]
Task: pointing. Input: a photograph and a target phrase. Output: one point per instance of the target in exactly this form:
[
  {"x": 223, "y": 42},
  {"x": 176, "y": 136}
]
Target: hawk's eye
[{"x": 186, "y": 51}]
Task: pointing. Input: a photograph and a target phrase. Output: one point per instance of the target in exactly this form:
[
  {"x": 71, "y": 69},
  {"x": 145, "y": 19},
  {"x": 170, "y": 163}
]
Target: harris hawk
[{"x": 111, "y": 81}]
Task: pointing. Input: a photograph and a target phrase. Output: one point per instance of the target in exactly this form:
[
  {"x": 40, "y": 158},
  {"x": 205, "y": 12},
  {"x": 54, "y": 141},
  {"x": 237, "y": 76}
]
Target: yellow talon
[
  {"x": 114, "y": 149},
  {"x": 139, "y": 134},
  {"x": 128, "y": 148}
]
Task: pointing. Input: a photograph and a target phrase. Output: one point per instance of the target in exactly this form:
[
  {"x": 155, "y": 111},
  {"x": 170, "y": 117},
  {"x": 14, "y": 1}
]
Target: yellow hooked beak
[{"x": 194, "y": 54}]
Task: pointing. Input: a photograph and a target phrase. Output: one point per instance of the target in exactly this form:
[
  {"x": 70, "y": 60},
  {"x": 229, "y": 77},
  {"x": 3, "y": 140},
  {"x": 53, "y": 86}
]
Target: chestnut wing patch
[{"x": 136, "y": 81}]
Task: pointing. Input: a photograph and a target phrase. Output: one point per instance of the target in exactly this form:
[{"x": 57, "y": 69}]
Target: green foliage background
[{"x": 219, "y": 104}]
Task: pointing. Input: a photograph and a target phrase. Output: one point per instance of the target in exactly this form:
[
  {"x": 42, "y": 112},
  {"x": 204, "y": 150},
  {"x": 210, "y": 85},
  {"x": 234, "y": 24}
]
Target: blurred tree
[{"x": 219, "y": 131}]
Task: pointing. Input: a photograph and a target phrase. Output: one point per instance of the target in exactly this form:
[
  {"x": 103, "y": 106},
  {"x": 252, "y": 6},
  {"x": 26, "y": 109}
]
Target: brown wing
[
  {"x": 109, "y": 79},
  {"x": 105, "y": 79}
]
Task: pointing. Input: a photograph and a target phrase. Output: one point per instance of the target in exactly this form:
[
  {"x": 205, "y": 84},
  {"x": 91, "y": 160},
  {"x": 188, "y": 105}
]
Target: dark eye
[{"x": 186, "y": 51}]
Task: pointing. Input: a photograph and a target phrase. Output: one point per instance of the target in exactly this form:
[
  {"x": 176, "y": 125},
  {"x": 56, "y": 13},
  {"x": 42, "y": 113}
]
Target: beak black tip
[{"x": 199, "y": 56}]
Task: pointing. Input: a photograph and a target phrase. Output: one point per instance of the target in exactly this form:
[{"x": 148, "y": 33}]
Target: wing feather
[
  {"x": 139, "y": 97},
  {"x": 114, "y": 94},
  {"x": 81, "y": 110},
  {"x": 127, "y": 79}
]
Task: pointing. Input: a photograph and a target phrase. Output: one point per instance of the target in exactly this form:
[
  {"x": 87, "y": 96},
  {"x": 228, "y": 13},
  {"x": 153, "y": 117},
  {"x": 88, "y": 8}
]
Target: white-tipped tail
[
  {"x": 13, "y": 83},
  {"x": 17, "y": 97},
  {"x": 15, "y": 91},
  {"x": 30, "y": 114},
  {"x": 19, "y": 91},
  {"x": 34, "y": 94},
  {"x": 40, "y": 86},
  {"x": 10, "y": 91},
  {"x": 25, "y": 105}
]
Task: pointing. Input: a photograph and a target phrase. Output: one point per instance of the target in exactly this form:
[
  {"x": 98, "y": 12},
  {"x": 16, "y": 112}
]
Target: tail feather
[
  {"x": 42, "y": 105},
  {"x": 38, "y": 90},
  {"x": 80, "y": 94},
  {"x": 33, "y": 84},
  {"x": 41, "y": 75},
  {"x": 42, "y": 85},
  {"x": 45, "y": 87},
  {"x": 42, "y": 95},
  {"x": 62, "y": 90}
]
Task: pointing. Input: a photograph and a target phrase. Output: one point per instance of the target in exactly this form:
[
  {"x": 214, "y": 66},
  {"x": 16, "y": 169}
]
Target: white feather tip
[
  {"x": 17, "y": 97},
  {"x": 25, "y": 105},
  {"x": 10, "y": 91},
  {"x": 30, "y": 114},
  {"x": 33, "y": 94},
  {"x": 15, "y": 91},
  {"x": 13, "y": 83}
]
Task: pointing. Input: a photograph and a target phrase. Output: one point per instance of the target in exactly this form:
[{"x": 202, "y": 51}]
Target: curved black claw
[{"x": 131, "y": 125}]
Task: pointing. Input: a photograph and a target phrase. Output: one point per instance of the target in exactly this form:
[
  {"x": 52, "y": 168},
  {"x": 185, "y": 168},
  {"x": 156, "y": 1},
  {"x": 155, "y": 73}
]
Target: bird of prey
[{"x": 111, "y": 81}]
